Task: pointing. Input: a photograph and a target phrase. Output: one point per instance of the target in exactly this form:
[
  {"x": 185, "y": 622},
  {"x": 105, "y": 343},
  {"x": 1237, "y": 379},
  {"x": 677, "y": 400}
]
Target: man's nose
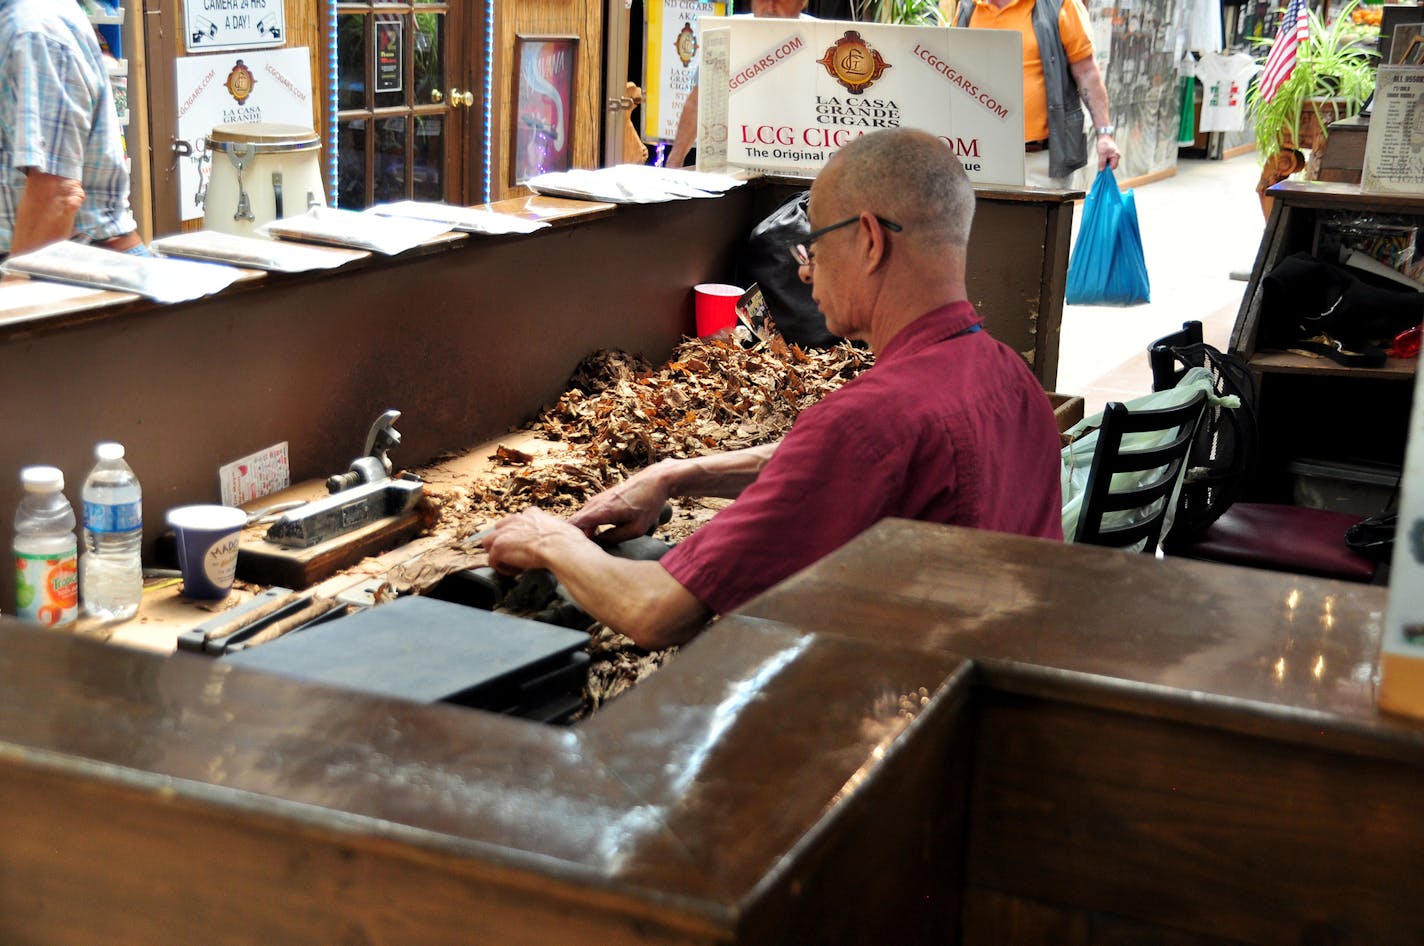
[{"x": 806, "y": 272}]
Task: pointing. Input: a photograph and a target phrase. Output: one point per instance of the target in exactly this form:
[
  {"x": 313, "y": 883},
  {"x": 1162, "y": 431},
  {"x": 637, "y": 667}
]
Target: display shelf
[
  {"x": 1286, "y": 362},
  {"x": 1333, "y": 411}
]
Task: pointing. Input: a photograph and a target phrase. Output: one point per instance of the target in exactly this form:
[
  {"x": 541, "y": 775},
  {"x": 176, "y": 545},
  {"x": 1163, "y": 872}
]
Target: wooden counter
[
  {"x": 932, "y": 736},
  {"x": 467, "y": 339}
]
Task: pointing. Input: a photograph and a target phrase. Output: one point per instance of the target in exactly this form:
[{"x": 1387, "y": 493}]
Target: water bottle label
[
  {"x": 47, "y": 588},
  {"x": 115, "y": 517}
]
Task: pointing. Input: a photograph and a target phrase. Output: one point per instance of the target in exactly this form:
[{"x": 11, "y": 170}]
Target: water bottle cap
[
  {"x": 42, "y": 479},
  {"x": 109, "y": 450}
]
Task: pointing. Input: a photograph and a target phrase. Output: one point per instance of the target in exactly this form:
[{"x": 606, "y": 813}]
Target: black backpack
[
  {"x": 1224, "y": 451},
  {"x": 766, "y": 261}
]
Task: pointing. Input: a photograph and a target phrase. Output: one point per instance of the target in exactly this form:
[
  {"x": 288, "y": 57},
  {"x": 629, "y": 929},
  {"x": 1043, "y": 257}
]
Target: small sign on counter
[{"x": 1394, "y": 149}]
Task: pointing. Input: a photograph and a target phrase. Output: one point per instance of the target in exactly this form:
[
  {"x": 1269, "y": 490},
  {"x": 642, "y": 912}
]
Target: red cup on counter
[{"x": 716, "y": 307}]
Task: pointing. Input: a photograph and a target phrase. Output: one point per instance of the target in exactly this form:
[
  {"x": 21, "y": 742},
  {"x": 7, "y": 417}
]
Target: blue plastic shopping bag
[{"x": 1107, "y": 266}]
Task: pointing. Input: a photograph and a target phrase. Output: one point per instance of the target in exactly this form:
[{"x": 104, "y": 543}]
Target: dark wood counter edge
[
  {"x": 624, "y": 756},
  {"x": 130, "y": 304},
  {"x": 1343, "y": 727}
]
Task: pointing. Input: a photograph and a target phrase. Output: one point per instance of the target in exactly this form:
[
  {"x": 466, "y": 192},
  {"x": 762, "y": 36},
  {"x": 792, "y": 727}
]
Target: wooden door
[{"x": 409, "y": 111}]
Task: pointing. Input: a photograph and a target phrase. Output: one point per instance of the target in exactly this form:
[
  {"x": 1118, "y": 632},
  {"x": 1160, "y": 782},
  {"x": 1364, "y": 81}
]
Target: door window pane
[
  {"x": 390, "y": 170},
  {"x": 351, "y": 146},
  {"x": 351, "y": 61},
  {"x": 429, "y": 158},
  {"x": 429, "y": 56}
]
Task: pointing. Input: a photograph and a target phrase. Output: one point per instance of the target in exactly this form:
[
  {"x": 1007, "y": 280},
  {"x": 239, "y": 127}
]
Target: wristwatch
[{"x": 1108, "y": 130}]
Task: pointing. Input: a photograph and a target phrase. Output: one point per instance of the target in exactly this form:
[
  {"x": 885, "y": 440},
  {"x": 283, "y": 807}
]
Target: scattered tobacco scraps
[{"x": 620, "y": 415}]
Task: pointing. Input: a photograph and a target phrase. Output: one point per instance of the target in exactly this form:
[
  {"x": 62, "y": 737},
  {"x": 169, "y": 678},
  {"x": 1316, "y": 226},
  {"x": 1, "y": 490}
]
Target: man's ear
[{"x": 877, "y": 246}]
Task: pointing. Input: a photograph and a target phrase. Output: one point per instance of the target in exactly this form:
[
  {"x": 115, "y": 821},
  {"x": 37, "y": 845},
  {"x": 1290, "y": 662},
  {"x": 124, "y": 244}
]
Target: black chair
[
  {"x": 1211, "y": 525},
  {"x": 1150, "y": 499}
]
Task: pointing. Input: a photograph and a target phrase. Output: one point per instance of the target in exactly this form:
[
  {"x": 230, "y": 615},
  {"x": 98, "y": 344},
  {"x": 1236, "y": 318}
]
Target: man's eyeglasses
[{"x": 801, "y": 252}]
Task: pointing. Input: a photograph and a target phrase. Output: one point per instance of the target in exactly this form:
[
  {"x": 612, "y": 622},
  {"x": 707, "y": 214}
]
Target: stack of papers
[
  {"x": 467, "y": 219},
  {"x": 253, "y": 252},
  {"x": 388, "y": 235},
  {"x": 632, "y": 184},
  {"x": 163, "y": 280}
]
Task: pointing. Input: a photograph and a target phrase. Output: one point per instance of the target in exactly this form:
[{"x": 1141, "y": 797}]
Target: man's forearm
[
  {"x": 1092, "y": 89},
  {"x": 638, "y": 599},
  {"x": 722, "y": 475},
  {"x": 46, "y": 211},
  {"x": 686, "y": 134}
]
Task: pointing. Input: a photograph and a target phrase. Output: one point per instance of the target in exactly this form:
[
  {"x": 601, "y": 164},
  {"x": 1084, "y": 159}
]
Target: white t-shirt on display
[{"x": 1224, "y": 78}]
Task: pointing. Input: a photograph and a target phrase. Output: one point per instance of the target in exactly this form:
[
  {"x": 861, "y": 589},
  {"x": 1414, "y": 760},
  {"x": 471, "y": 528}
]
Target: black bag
[
  {"x": 1304, "y": 298},
  {"x": 767, "y": 262},
  {"x": 1224, "y": 450}
]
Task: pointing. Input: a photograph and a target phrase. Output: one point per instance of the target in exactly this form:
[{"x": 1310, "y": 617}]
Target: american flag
[{"x": 1295, "y": 28}]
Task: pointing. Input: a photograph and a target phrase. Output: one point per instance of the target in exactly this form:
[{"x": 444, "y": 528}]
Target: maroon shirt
[{"x": 946, "y": 427}]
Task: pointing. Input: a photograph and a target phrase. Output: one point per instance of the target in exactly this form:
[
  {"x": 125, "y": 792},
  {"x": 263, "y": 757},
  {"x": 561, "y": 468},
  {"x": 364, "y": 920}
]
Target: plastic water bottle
[
  {"x": 46, "y": 585},
  {"x": 111, "y": 570}
]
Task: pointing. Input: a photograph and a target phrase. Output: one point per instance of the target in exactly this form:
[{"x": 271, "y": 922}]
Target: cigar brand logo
[
  {"x": 240, "y": 82},
  {"x": 686, "y": 44},
  {"x": 854, "y": 63}
]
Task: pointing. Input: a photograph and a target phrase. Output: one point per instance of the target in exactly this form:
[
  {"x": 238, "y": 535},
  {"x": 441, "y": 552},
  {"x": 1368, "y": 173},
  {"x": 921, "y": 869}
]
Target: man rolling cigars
[{"x": 949, "y": 426}]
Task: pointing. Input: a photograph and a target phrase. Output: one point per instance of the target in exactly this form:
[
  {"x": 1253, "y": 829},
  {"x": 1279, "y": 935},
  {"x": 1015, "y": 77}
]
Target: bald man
[
  {"x": 686, "y": 135},
  {"x": 949, "y": 426}
]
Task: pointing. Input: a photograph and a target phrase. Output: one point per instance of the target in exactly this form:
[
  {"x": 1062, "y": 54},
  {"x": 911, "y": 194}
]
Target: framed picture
[{"x": 543, "y": 105}]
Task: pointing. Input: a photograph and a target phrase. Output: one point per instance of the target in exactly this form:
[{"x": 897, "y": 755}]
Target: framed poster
[
  {"x": 543, "y": 101},
  {"x": 389, "y": 55}
]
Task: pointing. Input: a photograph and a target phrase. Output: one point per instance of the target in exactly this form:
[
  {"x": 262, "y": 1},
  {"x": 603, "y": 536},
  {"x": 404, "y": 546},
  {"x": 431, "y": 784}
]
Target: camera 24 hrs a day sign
[{"x": 215, "y": 25}]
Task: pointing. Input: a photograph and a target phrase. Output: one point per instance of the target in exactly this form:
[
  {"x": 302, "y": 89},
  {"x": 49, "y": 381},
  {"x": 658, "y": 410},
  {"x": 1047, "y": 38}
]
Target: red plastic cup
[{"x": 716, "y": 307}]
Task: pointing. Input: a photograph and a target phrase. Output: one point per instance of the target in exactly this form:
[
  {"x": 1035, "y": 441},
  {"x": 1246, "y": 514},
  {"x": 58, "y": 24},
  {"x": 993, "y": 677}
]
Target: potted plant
[
  {"x": 1332, "y": 79},
  {"x": 903, "y": 12}
]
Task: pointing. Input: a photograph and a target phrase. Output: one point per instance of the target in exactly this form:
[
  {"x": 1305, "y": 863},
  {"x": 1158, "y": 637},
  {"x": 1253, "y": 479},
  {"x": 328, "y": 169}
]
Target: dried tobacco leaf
[{"x": 619, "y": 415}]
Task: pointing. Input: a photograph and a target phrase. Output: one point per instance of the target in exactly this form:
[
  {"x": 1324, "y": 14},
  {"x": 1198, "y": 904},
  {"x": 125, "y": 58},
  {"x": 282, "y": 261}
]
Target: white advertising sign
[
  {"x": 273, "y": 86},
  {"x": 214, "y": 25},
  {"x": 799, "y": 90},
  {"x": 671, "y": 60}
]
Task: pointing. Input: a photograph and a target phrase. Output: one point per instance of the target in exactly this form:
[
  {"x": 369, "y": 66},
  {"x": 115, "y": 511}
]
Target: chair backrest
[
  {"x": 1224, "y": 454},
  {"x": 1125, "y": 511}
]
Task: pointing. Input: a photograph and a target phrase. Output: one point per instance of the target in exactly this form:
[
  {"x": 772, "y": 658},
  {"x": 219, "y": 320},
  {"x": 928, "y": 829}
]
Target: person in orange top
[{"x": 1054, "y": 83}]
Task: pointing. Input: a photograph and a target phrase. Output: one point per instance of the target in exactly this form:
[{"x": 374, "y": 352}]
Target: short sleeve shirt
[
  {"x": 57, "y": 115},
  {"x": 1073, "y": 31},
  {"x": 946, "y": 427}
]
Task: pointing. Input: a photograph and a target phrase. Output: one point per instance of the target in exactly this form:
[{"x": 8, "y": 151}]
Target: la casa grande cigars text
[{"x": 787, "y": 142}]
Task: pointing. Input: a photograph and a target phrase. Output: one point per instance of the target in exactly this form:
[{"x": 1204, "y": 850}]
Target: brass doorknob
[
  {"x": 458, "y": 98},
  {"x": 436, "y": 96}
]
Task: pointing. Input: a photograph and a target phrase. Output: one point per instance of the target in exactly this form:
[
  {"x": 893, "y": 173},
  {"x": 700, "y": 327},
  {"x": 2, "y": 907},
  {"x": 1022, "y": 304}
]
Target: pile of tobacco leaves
[{"x": 620, "y": 415}]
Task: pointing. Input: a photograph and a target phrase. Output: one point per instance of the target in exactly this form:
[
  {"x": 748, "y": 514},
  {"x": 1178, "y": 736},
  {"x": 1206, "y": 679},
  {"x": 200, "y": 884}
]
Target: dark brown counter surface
[
  {"x": 804, "y": 771},
  {"x": 1242, "y": 648}
]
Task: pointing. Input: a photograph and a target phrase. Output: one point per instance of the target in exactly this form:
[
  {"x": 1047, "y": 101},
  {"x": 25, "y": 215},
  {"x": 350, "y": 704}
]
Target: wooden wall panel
[
  {"x": 581, "y": 18},
  {"x": 1203, "y": 836}
]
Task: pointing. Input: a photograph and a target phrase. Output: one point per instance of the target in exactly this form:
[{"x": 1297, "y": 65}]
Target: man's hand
[
  {"x": 631, "y": 508},
  {"x": 521, "y": 541},
  {"x": 1108, "y": 153}
]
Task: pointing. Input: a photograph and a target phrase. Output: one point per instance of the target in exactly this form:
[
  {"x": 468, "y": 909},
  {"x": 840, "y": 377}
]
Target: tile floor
[{"x": 1198, "y": 227}]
